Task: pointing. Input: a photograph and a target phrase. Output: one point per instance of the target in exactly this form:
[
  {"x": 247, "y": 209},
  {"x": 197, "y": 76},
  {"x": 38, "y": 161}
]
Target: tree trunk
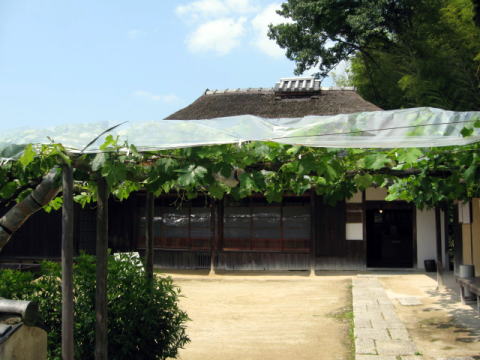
[{"x": 41, "y": 196}]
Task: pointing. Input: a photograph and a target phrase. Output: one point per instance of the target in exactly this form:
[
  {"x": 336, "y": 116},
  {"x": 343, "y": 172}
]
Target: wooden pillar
[
  {"x": 438, "y": 231},
  {"x": 213, "y": 235},
  {"x": 67, "y": 264},
  {"x": 457, "y": 240},
  {"x": 219, "y": 230},
  {"x": 313, "y": 232},
  {"x": 446, "y": 231},
  {"x": 149, "y": 206},
  {"x": 101, "y": 341}
]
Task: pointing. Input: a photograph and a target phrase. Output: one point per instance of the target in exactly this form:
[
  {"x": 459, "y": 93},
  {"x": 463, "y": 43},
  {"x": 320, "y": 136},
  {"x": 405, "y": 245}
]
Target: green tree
[
  {"x": 476, "y": 6},
  {"x": 404, "y": 53}
]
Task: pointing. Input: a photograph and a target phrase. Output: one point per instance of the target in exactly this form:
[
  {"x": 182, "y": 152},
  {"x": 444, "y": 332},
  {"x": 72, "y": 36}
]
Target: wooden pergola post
[
  {"x": 457, "y": 239},
  {"x": 101, "y": 341},
  {"x": 313, "y": 236},
  {"x": 149, "y": 207},
  {"x": 67, "y": 264},
  {"x": 213, "y": 236},
  {"x": 446, "y": 214},
  {"x": 438, "y": 228}
]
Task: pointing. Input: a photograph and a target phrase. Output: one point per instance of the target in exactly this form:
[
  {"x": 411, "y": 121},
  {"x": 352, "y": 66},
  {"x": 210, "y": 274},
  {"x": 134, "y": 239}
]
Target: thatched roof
[{"x": 267, "y": 103}]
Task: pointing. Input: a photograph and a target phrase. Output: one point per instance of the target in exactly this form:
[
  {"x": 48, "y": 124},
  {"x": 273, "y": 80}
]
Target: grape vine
[{"x": 426, "y": 177}]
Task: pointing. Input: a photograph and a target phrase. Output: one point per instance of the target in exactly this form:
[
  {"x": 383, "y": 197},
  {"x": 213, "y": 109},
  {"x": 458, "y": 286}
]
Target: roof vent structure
[{"x": 297, "y": 87}]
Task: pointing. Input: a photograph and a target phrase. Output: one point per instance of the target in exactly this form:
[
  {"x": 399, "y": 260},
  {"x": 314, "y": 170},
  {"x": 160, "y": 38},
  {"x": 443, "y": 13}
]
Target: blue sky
[{"x": 65, "y": 61}]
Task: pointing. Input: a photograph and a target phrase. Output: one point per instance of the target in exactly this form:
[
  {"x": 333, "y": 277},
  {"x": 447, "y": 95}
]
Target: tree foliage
[
  {"x": 404, "y": 53},
  {"x": 324, "y": 32},
  {"x": 436, "y": 64},
  {"x": 144, "y": 321}
]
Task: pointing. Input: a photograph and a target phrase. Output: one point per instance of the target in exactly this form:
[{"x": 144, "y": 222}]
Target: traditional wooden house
[
  {"x": 365, "y": 231},
  {"x": 295, "y": 234}
]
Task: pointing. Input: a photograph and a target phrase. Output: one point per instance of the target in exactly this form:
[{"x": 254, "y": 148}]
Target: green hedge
[{"x": 144, "y": 320}]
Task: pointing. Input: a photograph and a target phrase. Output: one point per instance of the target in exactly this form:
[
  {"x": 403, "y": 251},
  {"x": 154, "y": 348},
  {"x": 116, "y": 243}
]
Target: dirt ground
[
  {"x": 265, "y": 316},
  {"x": 441, "y": 326}
]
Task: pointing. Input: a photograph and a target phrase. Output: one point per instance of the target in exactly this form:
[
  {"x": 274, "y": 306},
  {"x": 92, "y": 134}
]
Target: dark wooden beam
[
  {"x": 101, "y": 341},
  {"x": 438, "y": 231},
  {"x": 149, "y": 207},
  {"x": 67, "y": 264}
]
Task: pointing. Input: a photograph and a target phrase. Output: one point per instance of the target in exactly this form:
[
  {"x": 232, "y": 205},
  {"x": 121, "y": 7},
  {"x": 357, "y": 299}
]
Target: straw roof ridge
[
  {"x": 265, "y": 102},
  {"x": 268, "y": 90}
]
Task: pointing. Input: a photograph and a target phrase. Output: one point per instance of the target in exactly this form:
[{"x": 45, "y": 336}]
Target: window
[
  {"x": 254, "y": 224},
  {"x": 174, "y": 227}
]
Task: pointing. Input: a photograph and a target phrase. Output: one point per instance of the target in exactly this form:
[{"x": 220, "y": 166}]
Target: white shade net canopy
[{"x": 416, "y": 127}]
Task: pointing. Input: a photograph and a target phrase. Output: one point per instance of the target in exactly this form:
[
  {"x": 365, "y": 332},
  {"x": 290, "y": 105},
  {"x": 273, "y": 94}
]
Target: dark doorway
[{"x": 389, "y": 237}]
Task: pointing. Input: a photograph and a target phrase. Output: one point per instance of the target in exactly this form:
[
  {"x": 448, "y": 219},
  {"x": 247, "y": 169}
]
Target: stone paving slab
[
  {"x": 379, "y": 333},
  {"x": 380, "y": 307},
  {"x": 399, "y": 334},
  {"x": 364, "y": 302},
  {"x": 365, "y": 346},
  {"x": 370, "y": 316},
  {"x": 362, "y": 324},
  {"x": 374, "y": 334},
  {"x": 383, "y": 324},
  {"x": 457, "y": 358},
  {"x": 395, "y": 347},
  {"x": 389, "y": 314}
]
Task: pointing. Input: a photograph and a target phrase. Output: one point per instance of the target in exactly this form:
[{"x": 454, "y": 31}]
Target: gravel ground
[{"x": 261, "y": 316}]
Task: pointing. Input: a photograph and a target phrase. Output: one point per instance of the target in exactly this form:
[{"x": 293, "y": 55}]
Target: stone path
[{"x": 379, "y": 333}]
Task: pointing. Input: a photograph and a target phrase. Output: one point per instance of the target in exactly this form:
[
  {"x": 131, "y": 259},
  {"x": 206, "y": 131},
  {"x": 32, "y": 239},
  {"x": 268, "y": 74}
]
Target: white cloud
[
  {"x": 219, "y": 36},
  {"x": 167, "y": 98},
  {"x": 222, "y": 25},
  {"x": 260, "y": 25},
  {"x": 208, "y": 9}
]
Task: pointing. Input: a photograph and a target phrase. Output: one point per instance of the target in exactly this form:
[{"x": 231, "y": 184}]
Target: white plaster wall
[
  {"x": 354, "y": 231},
  {"x": 426, "y": 236},
  {"x": 464, "y": 213}
]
